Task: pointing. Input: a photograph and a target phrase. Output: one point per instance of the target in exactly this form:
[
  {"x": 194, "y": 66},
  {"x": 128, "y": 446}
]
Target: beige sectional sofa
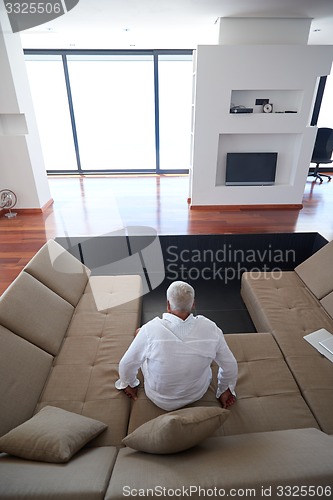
[
  {"x": 291, "y": 305},
  {"x": 62, "y": 334}
]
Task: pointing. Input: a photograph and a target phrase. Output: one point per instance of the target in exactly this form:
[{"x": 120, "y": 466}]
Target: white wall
[{"x": 21, "y": 162}]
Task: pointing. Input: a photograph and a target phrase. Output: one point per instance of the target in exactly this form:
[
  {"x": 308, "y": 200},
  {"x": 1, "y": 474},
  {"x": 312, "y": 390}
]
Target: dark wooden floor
[{"x": 100, "y": 205}]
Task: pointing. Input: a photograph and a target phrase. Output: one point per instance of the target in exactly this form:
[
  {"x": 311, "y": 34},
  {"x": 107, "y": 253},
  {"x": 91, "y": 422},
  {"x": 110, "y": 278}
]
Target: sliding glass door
[
  {"x": 174, "y": 90},
  {"x": 49, "y": 94},
  {"x": 113, "y": 100},
  {"x": 112, "y": 111}
]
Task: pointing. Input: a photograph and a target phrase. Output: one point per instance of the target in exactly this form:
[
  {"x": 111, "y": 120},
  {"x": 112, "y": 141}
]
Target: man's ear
[{"x": 168, "y": 306}]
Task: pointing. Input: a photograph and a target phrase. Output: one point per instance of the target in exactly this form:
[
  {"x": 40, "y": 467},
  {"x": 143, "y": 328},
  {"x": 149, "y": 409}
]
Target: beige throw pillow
[
  {"x": 177, "y": 430},
  {"x": 52, "y": 435}
]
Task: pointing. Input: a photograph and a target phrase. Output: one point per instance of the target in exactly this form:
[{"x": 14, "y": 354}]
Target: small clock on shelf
[{"x": 268, "y": 108}]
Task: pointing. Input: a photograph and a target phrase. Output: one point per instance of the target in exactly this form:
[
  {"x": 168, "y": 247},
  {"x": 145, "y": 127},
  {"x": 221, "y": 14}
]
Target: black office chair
[{"x": 322, "y": 152}]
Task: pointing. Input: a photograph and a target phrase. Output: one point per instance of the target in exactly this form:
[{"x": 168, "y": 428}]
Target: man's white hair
[{"x": 180, "y": 296}]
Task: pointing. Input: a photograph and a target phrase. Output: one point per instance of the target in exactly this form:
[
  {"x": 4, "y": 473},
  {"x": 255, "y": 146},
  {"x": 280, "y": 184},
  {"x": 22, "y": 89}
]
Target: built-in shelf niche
[
  {"x": 282, "y": 100},
  {"x": 13, "y": 124}
]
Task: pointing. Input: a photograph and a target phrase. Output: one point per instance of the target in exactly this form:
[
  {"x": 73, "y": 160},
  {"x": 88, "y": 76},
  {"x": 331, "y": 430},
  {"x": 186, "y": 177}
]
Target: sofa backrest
[
  {"x": 24, "y": 369},
  {"x": 60, "y": 271},
  {"x": 35, "y": 313},
  {"x": 317, "y": 273}
]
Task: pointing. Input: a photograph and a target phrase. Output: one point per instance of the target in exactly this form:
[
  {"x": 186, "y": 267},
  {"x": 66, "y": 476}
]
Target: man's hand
[
  {"x": 131, "y": 392},
  {"x": 227, "y": 399}
]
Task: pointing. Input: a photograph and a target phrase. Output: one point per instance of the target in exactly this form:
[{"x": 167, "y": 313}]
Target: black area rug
[{"x": 212, "y": 264}]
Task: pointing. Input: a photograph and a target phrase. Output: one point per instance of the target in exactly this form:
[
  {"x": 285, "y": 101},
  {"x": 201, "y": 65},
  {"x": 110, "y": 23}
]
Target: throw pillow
[
  {"x": 52, "y": 435},
  {"x": 177, "y": 430}
]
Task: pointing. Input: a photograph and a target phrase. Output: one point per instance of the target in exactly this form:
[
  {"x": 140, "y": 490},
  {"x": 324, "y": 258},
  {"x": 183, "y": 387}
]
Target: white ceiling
[{"x": 167, "y": 24}]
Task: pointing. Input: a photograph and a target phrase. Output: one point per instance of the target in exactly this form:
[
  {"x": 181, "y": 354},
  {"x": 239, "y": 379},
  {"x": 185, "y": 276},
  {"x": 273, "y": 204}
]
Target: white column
[{"x": 21, "y": 161}]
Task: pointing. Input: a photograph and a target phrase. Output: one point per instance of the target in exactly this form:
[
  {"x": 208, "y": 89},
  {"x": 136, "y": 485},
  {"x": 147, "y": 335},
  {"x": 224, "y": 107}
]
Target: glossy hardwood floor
[{"x": 95, "y": 206}]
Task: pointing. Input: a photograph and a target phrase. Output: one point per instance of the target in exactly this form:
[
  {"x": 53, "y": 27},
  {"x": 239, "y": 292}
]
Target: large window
[
  {"x": 112, "y": 111},
  {"x": 49, "y": 94},
  {"x": 113, "y": 99},
  {"x": 175, "y": 86}
]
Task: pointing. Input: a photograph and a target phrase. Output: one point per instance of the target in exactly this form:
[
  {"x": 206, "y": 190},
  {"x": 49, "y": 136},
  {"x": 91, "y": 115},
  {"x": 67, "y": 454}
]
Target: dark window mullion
[
  {"x": 157, "y": 115},
  {"x": 71, "y": 112}
]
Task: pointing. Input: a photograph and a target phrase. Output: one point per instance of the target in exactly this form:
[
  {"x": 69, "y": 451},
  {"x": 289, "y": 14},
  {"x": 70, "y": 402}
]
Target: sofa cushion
[
  {"x": 24, "y": 369},
  {"x": 177, "y": 430},
  {"x": 52, "y": 435},
  {"x": 35, "y": 312},
  {"x": 60, "y": 271},
  {"x": 317, "y": 271},
  {"x": 110, "y": 292},
  {"x": 327, "y": 303},
  {"x": 110, "y": 305},
  {"x": 267, "y": 396},
  {"x": 281, "y": 304},
  {"x": 289, "y": 323},
  {"x": 90, "y": 390},
  {"x": 85, "y": 477},
  {"x": 143, "y": 409},
  {"x": 84, "y": 372},
  {"x": 86, "y": 368},
  {"x": 260, "y": 461},
  {"x": 315, "y": 380}
]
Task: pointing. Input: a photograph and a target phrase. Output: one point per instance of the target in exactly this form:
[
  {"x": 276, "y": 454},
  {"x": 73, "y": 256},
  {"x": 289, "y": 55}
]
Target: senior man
[{"x": 175, "y": 353}]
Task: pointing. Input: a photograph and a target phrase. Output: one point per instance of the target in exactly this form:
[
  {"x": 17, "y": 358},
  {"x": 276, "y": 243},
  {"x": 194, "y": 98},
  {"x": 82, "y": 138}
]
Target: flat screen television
[{"x": 250, "y": 169}]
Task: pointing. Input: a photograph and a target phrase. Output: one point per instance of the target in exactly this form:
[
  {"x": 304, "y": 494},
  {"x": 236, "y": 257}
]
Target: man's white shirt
[{"x": 175, "y": 357}]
